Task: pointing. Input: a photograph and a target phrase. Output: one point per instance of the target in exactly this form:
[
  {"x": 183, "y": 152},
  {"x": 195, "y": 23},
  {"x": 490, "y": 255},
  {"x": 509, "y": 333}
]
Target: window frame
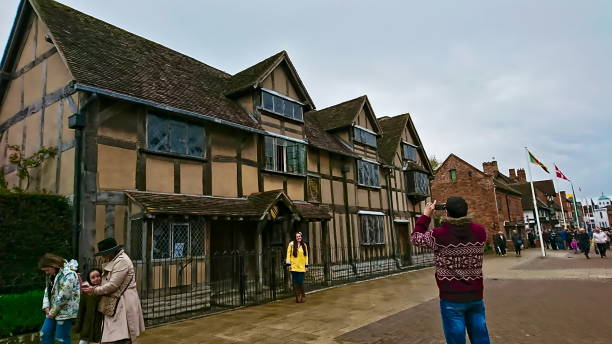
[
  {"x": 172, "y": 224},
  {"x": 415, "y": 190},
  {"x": 453, "y": 173},
  {"x": 416, "y": 151},
  {"x": 276, "y": 95},
  {"x": 168, "y": 122},
  {"x": 366, "y": 131},
  {"x": 380, "y": 231},
  {"x": 377, "y": 169},
  {"x": 273, "y": 166}
]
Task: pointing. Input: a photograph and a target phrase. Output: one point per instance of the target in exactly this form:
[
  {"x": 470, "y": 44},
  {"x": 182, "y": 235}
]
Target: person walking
[
  {"x": 532, "y": 238},
  {"x": 546, "y": 238},
  {"x": 560, "y": 241},
  {"x": 601, "y": 240},
  {"x": 517, "y": 241},
  {"x": 61, "y": 298},
  {"x": 123, "y": 319},
  {"x": 584, "y": 242},
  {"x": 297, "y": 263},
  {"x": 458, "y": 247},
  {"x": 500, "y": 243},
  {"x": 553, "y": 240},
  {"x": 89, "y": 321},
  {"x": 574, "y": 245}
]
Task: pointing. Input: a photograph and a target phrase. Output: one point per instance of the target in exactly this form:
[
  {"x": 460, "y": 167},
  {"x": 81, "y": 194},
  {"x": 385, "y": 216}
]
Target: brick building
[{"x": 492, "y": 202}]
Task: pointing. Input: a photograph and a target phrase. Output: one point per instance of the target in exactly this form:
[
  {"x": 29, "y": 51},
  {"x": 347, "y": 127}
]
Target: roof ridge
[{"x": 90, "y": 17}]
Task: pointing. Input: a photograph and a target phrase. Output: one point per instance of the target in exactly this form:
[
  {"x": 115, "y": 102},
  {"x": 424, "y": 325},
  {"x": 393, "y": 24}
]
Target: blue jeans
[
  {"x": 55, "y": 330},
  {"x": 457, "y": 317}
]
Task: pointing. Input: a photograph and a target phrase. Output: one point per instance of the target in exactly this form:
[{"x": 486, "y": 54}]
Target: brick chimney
[
  {"x": 512, "y": 174},
  {"x": 521, "y": 176},
  {"x": 490, "y": 167}
]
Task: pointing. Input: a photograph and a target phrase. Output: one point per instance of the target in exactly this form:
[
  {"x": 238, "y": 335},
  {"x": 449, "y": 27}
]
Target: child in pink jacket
[{"x": 574, "y": 245}]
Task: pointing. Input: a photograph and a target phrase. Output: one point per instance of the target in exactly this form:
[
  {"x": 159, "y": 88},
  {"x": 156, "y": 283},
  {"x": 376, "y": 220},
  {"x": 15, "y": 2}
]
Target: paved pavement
[{"x": 529, "y": 300}]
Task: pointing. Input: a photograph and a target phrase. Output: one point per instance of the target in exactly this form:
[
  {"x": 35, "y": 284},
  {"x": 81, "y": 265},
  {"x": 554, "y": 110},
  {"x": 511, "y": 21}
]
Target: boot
[{"x": 296, "y": 292}]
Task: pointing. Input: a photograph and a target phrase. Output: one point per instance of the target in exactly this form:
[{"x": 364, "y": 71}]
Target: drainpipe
[
  {"x": 78, "y": 122},
  {"x": 391, "y": 214},
  {"x": 349, "y": 228}
]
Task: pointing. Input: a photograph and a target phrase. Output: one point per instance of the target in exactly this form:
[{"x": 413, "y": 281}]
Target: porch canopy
[{"x": 257, "y": 206}]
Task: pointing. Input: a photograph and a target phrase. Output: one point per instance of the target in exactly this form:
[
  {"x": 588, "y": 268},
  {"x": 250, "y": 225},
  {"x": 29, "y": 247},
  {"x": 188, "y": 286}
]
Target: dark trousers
[
  {"x": 501, "y": 249},
  {"x": 532, "y": 243},
  {"x": 602, "y": 249}
]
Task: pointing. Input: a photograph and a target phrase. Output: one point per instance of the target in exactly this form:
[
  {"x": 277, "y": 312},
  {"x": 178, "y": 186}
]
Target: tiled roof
[
  {"x": 321, "y": 139},
  {"x": 104, "y": 56},
  {"x": 392, "y": 128},
  {"x": 312, "y": 211},
  {"x": 527, "y": 199},
  {"x": 253, "y": 207},
  {"x": 505, "y": 187},
  {"x": 339, "y": 115},
  {"x": 546, "y": 186},
  {"x": 249, "y": 77}
]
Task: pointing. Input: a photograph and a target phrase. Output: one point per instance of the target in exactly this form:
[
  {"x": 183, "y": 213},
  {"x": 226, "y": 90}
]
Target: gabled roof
[
  {"x": 527, "y": 199},
  {"x": 546, "y": 186},
  {"x": 319, "y": 138},
  {"x": 254, "y": 76},
  {"x": 105, "y": 57},
  {"x": 392, "y": 128},
  {"x": 344, "y": 114},
  {"x": 454, "y": 156}
]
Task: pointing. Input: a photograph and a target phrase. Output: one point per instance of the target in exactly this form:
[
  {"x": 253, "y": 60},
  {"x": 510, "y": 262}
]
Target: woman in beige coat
[{"x": 118, "y": 274}]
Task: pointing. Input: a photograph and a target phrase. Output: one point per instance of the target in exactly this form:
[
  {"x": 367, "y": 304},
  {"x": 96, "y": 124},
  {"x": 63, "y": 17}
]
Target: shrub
[
  {"x": 30, "y": 225},
  {"x": 20, "y": 313}
]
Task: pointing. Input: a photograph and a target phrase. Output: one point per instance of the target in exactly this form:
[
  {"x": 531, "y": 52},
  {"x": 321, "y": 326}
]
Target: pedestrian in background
[
  {"x": 61, "y": 298},
  {"x": 532, "y": 238},
  {"x": 517, "y": 241},
  {"x": 500, "y": 243},
  {"x": 601, "y": 241},
  {"x": 89, "y": 321},
  {"x": 123, "y": 319},
  {"x": 553, "y": 240},
  {"x": 574, "y": 245},
  {"x": 546, "y": 238},
  {"x": 584, "y": 242},
  {"x": 297, "y": 263},
  {"x": 458, "y": 246}
]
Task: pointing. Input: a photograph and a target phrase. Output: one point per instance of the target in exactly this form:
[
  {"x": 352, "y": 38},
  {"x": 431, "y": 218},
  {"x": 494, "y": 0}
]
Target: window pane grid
[
  {"x": 166, "y": 135},
  {"x": 372, "y": 229},
  {"x": 368, "y": 173},
  {"x": 364, "y": 137},
  {"x": 410, "y": 152},
  {"x": 281, "y": 106},
  {"x": 284, "y": 156}
]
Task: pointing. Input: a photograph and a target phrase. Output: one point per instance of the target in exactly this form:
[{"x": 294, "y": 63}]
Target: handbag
[{"x": 108, "y": 303}]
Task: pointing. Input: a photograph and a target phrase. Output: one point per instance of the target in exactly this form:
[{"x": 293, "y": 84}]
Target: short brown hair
[{"x": 50, "y": 260}]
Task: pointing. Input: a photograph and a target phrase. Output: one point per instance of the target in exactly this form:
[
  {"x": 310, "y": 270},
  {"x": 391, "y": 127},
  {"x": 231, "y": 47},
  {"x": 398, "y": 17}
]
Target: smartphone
[{"x": 440, "y": 206}]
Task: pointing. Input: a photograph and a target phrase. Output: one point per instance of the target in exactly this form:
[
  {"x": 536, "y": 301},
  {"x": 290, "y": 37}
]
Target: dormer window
[
  {"x": 364, "y": 136},
  {"x": 281, "y": 105},
  {"x": 409, "y": 152}
]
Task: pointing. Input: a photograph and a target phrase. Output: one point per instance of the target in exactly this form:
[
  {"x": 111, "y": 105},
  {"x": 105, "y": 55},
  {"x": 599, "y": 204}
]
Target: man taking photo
[{"x": 458, "y": 247}]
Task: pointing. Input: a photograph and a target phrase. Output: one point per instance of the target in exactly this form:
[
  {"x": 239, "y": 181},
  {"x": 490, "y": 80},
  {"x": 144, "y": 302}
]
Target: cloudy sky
[{"x": 482, "y": 79}]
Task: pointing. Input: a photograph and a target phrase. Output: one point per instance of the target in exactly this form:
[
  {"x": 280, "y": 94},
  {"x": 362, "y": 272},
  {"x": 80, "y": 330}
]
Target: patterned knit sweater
[{"x": 458, "y": 247}]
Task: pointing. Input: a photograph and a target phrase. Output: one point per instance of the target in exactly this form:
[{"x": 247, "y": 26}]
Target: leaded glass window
[
  {"x": 372, "y": 229},
  {"x": 365, "y": 137},
  {"x": 172, "y": 136},
  {"x": 409, "y": 152},
  {"x": 368, "y": 173},
  {"x": 417, "y": 183}
]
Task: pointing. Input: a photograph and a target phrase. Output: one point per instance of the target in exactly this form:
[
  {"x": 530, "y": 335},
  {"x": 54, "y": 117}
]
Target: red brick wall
[{"x": 474, "y": 186}]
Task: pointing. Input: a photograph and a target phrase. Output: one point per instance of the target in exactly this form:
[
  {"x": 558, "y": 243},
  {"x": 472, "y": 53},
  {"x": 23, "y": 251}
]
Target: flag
[
  {"x": 535, "y": 160},
  {"x": 560, "y": 174}
]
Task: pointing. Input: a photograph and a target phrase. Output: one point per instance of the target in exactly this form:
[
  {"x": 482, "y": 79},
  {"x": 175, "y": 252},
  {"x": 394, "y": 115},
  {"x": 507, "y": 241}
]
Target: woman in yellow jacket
[{"x": 297, "y": 263}]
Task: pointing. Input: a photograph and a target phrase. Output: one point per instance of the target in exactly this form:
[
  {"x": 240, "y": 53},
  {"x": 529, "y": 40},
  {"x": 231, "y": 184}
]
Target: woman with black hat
[{"x": 123, "y": 320}]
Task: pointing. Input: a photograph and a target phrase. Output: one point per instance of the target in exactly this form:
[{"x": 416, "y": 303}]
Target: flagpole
[
  {"x": 535, "y": 204},
  {"x": 575, "y": 207},
  {"x": 560, "y": 200}
]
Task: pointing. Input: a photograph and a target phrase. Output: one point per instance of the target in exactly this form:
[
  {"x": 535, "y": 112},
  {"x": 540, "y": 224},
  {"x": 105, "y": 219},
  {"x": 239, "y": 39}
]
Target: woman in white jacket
[{"x": 601, "y": 240}]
